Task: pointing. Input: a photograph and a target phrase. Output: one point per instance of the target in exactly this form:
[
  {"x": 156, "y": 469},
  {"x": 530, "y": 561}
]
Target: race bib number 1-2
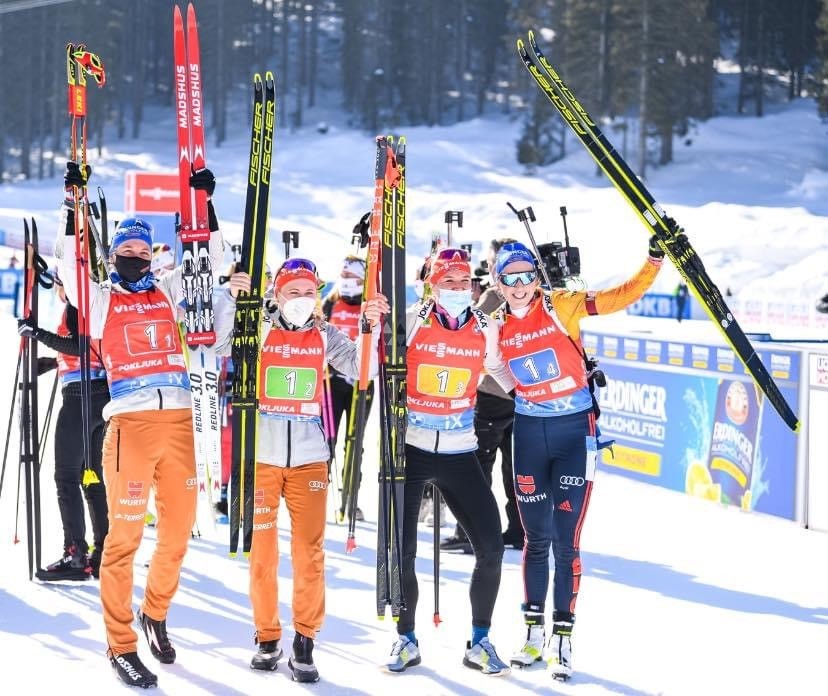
[{"x": 290, "y": 383}]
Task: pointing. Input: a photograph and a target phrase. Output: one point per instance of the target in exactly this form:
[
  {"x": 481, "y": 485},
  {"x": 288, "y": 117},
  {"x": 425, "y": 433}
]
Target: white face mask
[
  {"x": 298, "y": 310},
  {"x": 455, "y": 302},
  {"x": 350, "y": 287},
  {"x": 419, "y": 288}
]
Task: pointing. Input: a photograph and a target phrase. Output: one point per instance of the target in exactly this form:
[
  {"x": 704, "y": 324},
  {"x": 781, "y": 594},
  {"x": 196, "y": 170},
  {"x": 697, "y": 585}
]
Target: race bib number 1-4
[{"x": 535, "y": 368}]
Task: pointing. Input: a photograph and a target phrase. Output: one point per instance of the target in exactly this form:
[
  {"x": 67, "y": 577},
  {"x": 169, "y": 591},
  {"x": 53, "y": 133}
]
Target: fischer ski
[
  {"x": 388, "y": 232},
  {"x": 196, "y": 267},
  {"x": 248, "y": 318},
  {"x": 670, "y": 236}
]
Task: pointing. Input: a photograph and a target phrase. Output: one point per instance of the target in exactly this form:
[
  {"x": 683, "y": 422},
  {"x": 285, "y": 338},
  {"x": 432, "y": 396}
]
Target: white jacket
[
  {"x": 290, "y": 441},
  {"x": 170, "y": 285}
]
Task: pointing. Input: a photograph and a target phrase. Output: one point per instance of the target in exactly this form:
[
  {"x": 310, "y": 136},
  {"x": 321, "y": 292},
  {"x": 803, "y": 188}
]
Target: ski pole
[
  {"x": 452, "y": 216},
  {"x": 525, "y": 216},
  {"x": 47, "y": 420},
  {"x": 15, "y": 387},
  {"x": 437, "y": 501}
]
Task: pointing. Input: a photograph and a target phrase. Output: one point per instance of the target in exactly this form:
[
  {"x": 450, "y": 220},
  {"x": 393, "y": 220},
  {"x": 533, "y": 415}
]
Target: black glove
[
  {"x": 656, "y": 252},
  {"x": 203, "y": 180},
  {"x": 74, "y": 176},
  {"x": 45, "y": 364},
  {"x": 27, "y": 328}
]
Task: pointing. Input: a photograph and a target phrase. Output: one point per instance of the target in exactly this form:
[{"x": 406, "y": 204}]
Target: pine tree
[{"x": 822, "y": 57}]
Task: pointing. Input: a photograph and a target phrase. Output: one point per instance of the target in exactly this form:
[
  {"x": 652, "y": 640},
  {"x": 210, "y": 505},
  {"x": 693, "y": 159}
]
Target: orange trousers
[
  {"x": 305, "y": 489},
  {"x": 144, "y": 449}
]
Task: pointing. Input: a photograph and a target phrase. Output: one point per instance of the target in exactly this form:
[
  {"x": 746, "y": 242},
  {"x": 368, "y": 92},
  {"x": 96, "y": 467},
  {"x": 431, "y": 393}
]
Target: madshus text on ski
[{"x": 248, "y": 375}]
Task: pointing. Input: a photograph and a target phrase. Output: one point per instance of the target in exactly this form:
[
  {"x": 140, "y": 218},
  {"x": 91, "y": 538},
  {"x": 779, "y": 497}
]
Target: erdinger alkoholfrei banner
[{"x": 686, "y": 416}]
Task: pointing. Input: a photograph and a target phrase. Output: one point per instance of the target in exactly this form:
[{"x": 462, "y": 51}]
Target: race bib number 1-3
[{"x": 437, "y": 380}]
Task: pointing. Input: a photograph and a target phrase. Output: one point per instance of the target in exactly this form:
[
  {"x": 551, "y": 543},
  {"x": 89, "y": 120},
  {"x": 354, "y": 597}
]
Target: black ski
[
  {"x": 35, "y": 274},
  {"x": 392, "y": 383},
  {"x": 248, "y": 319},
  {"x": 669, "y": 234}
]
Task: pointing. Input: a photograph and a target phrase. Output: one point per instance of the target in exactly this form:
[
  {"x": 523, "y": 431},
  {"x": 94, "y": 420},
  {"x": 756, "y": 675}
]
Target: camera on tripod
[{"x": 561, "y": 262}]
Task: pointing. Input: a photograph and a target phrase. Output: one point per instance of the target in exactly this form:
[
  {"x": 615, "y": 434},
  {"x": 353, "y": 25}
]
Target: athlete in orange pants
[
  {"x": 304, "y": 489},
  {"x": 149, "y": 441},
  {"x": 292, "y": 460},
  {"x": 133, "y": 454}
]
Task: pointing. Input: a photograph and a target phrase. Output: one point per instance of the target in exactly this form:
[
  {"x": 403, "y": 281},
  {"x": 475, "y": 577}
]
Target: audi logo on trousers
[
  {"x": 321, "y": 485},
  {"x": 572, "y": 481}
]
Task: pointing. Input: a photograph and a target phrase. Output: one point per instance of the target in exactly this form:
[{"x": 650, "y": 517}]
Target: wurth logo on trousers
[{"x": 526, "y": 484}]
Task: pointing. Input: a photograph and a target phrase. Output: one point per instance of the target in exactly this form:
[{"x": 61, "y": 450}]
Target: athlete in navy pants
[{"x": 555, "y": 444}]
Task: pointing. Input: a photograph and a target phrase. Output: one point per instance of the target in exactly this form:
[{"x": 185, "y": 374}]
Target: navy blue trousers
[{"x": 554, "y": 463}]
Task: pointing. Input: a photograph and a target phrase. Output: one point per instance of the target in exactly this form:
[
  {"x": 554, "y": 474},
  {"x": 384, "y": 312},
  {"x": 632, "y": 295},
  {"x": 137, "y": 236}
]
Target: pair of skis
[
  {"x": 388, "y": 242},
  {"x": 669, "y": 234},
  {"x": 34, "y": 274},
  {"x": 196, "y": 267},
  {"x": 248, "y": 318}
]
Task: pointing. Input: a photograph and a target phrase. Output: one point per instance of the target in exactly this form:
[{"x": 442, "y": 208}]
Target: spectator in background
[{"x": 76, "y": 478}]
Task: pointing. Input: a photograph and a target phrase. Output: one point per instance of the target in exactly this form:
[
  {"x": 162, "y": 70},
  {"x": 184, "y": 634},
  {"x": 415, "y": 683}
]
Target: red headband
[
  {"x": 286, "y": 275},
  {"x": 442, "y": 267}
]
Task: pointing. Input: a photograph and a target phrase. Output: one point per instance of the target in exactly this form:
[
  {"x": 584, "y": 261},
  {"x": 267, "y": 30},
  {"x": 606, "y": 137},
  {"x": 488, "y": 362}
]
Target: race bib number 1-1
[{"x": 144, "y": 337}]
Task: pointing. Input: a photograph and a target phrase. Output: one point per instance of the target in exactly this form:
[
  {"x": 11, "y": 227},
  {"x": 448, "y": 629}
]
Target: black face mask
[{"x": 131, "y": 268}]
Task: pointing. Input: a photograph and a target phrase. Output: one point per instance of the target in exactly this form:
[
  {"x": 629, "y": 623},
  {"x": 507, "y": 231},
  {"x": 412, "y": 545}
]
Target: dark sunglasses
[{"x": 512, "y": 279}]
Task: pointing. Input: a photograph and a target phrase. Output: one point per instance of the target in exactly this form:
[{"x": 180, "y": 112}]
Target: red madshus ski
[{"x": 196, "y": 268}]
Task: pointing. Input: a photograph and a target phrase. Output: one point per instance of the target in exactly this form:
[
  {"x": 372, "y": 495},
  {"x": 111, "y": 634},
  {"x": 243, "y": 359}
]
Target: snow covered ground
[{"x": 679, "y": 595}]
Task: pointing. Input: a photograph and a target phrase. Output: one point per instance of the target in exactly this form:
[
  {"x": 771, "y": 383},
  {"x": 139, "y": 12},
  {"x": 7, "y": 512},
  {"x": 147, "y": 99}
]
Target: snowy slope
[
  {"x": 752, "y": 194},
  {"x": 679, "y": 596}
]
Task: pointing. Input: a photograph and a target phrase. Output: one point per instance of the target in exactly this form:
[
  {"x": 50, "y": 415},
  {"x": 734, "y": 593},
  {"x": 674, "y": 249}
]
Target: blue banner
[
  {"x": 10, "y": 282},
  {"x": 660, "y": 305},
  {"x": 688, "y": 417}
]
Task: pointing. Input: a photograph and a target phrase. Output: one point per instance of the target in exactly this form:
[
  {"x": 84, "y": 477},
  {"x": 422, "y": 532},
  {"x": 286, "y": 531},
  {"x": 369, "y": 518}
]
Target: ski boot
[
  {"x": 405, "y": 653},
  {"x": 159, "y": 643},
  {"x": 73, "y": 565},
  {"x": 301, "y": 663},
  {"x": 132, "y": 671},
  {"x": 560, "y": 651},
  {"x": 267, "y": 657},
  {"x": 482, "y": 656},
  {"x": 532, "y": 650}
]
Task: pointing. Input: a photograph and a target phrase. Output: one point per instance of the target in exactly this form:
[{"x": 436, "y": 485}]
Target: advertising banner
[
  {"x": 663, "y": 306},
  {"x": 817, "y": 492},
  {"x": 686, "y": 416}
]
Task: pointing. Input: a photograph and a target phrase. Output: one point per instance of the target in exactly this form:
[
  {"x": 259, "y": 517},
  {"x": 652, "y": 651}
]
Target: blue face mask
[{"x": 455, "y": 302}]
